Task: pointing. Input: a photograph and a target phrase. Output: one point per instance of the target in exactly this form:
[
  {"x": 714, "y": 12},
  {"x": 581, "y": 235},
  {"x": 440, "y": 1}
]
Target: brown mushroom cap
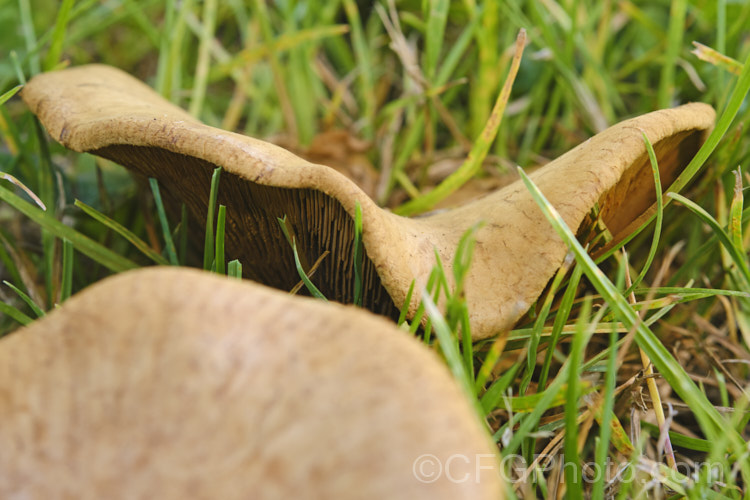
[
  {"x": 102, "y": 110},
  {"x": 174, "y": 383}
]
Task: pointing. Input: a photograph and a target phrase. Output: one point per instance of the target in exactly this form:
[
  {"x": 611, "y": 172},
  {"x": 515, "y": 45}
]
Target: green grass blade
[
  {"x": 29, "y": 302},
  {"x": 279, "y": 70},
  {"x": 741, "y": 89},
  {"x": 436, "y": 20},
  {"x": 220, "y": 224},
  {"x": 573, "y": 471},
  {"x": 602, "y": 444},
  {"x": 563, "y": 312},
  {"x": 538, "y": 325},
  {"x": 737, "y": 255},
  {"x": 166, "y": 64},
  {"x": 449, "y": 347},
  {"x": 659, "y": 215},
  {"x": 118, "y": 228},
  {"x": 168, "y": 241},
  {"x": 735, "y": 214},
  {"x": 83, "y": 244},
  {"x": 531, "y": 420},
  {"x": 495, "y": 393},
  {"x": 674, "y": 45},
  {"x": 234, "y": 269},
  {"x": 204, "y": 57},
  {"x": 405, "y": 307},
  {"x": 208, "y": 246},
  {"x": 303, "y": 276},
  {"x": 58, "y": 35},
  {"x": 29, "y": 35},
  {"x": 364, "y": 66},
  {"x": 14, "y": 313}
]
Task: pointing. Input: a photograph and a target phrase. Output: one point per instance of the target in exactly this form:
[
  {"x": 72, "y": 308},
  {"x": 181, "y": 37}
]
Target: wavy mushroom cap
[
  {"x": 104, "y": 111},
  {"x": 174, "y": 383}
]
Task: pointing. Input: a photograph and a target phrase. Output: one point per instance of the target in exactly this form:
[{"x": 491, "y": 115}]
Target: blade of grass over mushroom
[
  {"x": 303, "y": 275},
  {"x": 10, "y": 93},
  {"x": 208, "y": 246},
  {"x": 118, "y": 228},
  {"x": 25, "y": 297},
  {"x": 659, "y": 216},
  {"x": 405, "y": 307},
  {"x": 708, "y": 418},
  {"x": 457, "y": 313},
  {"x": 168, "y": 241},
  {"x": 481, "y": 147},
  {"x": 449, "y": 347},
  {"x": 234, "y": 269},
  {"x": 358, "y": 254},
  {"x": 83, "y": 244},
  {"x": 300, "y": 261},
  {"x": 219, "y": 266}
]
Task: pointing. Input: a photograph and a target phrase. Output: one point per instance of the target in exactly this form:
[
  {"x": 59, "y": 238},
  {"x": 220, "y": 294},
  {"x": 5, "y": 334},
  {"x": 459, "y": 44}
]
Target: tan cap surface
[
  {"x": 105, "y": 111},
  {"x": 171, "y": 383}
]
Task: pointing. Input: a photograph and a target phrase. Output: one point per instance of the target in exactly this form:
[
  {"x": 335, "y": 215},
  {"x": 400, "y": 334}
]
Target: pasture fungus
[
  {"x": 106, "y": 112},
  {"x": 175, "y": 383}
]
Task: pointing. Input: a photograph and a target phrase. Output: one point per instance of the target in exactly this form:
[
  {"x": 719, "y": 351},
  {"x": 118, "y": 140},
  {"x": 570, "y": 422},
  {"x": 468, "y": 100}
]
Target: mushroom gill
[
  {"x": 175, "y": 383},
  {"x": 104, "y": 111}
]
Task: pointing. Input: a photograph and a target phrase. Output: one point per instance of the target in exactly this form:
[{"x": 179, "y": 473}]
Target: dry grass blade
[{"x": 480, "y": 148}]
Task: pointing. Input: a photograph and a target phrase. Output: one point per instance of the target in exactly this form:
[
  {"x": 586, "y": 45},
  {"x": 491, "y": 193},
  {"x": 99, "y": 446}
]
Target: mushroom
[
  {"x": 104, "y": 111},
  {"x": 175, "y": 383}
]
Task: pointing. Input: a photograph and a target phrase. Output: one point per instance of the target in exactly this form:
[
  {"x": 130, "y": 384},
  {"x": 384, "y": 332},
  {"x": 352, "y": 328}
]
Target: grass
[{"x": 562, "y": 393}]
